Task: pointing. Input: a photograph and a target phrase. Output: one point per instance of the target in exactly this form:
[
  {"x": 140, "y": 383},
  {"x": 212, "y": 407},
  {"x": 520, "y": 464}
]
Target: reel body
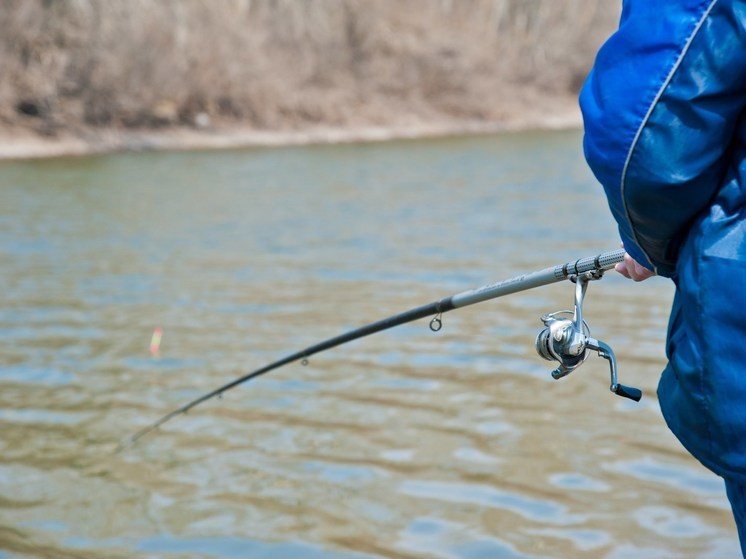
[{"x": 566, "y": 339}]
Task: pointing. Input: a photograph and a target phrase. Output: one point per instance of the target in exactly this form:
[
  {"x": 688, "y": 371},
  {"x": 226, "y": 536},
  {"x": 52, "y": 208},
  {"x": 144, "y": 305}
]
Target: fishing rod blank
[{"x": 563, "y": 339}]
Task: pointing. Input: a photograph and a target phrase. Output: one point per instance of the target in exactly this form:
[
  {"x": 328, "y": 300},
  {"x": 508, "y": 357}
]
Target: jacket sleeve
[{"x": 661, "y": 107}]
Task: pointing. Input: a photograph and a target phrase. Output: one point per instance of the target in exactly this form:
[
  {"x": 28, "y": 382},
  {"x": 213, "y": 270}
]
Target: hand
[{"x": 632, "y": 270}]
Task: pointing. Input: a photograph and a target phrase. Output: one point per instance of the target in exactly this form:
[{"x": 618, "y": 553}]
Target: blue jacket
[{"x": 665, "y": 134}]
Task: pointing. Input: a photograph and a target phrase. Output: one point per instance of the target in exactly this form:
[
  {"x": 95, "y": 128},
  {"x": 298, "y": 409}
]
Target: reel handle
[
  {"x": 627, "y": 392},
  {"x": 605, "y": 351}
]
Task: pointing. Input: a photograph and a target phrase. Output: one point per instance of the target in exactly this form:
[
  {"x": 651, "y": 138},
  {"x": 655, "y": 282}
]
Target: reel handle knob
[{"x": 627, "y": 392}]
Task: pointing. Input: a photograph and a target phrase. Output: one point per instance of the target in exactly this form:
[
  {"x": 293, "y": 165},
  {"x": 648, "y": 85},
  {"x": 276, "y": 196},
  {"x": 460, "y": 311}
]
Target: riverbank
[
  {"x": 96, "y": 76},
  {"x": 24, "y": 143}
]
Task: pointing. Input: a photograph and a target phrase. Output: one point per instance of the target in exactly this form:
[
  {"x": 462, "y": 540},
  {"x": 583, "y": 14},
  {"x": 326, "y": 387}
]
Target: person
[{"x": 664, "y": 110}]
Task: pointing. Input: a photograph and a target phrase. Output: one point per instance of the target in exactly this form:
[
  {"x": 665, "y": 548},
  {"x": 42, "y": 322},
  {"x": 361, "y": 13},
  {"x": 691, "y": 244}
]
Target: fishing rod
[{"x": 565, "y": 337}]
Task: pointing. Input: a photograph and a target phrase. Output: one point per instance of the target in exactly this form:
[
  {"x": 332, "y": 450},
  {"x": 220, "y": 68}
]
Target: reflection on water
[{"x": 405, "y": 444}]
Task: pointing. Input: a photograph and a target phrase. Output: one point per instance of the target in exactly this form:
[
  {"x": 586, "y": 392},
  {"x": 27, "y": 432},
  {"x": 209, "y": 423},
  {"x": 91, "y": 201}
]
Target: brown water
[{"x": 405, "y": 444}]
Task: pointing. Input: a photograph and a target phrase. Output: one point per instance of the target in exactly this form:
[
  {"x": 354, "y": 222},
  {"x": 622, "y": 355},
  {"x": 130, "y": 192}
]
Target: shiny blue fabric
[
  {"x": 665, "y": 133},
  {"x": 737, "y": 497}
]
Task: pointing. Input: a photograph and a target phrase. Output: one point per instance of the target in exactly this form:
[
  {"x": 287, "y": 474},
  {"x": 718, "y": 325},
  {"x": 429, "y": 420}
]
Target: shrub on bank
[{"x": 278, "y": 64}]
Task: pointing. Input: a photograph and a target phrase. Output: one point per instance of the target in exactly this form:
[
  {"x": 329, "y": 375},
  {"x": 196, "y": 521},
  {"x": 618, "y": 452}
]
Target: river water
[{"x": 406, "y": 444}]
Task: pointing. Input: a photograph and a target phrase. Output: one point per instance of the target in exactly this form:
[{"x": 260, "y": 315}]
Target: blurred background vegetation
[{"x": 72, "y": 65}]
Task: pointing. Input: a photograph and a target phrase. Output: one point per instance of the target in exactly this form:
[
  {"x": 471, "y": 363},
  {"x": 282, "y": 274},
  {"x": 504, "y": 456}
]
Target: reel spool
[{"x": 561, "y": 341}]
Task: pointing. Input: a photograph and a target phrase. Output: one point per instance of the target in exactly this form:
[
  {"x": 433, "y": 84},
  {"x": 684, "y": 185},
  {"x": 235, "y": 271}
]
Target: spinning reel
[{"x": 566, "y": 339}]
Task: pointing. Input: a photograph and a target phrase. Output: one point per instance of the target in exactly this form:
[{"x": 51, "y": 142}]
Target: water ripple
[{"x": 536, "y": 510}]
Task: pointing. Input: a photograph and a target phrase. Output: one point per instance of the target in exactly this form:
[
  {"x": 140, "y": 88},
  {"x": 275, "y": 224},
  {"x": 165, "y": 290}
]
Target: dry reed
[{"x": 278, "y": 64}]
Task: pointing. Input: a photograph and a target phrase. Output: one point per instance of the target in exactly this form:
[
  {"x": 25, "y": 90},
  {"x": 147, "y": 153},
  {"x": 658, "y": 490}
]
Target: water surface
[{"x": 407, "y": 444}]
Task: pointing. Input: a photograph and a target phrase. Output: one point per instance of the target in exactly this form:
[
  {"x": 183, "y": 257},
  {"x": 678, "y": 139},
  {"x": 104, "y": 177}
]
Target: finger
[
  {"x": 637, "y": 271},
  {"x": 621, "y": 267}
]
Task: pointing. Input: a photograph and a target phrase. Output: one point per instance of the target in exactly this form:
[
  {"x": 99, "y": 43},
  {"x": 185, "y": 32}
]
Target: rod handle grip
[{"x": 627, "y": 392}]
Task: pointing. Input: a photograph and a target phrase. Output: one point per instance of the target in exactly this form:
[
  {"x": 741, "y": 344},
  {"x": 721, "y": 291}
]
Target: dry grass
[{"x": 283, "y": 64}]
